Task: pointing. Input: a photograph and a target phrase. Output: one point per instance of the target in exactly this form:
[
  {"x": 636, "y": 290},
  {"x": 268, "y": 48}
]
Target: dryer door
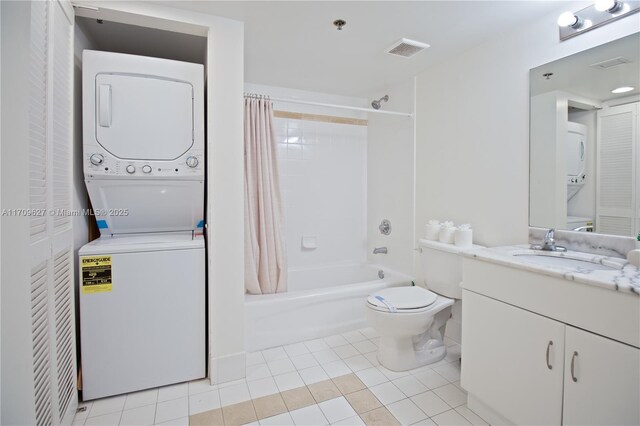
[{"x": 140, "y": 117}]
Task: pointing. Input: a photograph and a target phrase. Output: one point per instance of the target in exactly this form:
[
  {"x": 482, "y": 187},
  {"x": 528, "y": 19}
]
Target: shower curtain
[{"x": 265, "y": 268}]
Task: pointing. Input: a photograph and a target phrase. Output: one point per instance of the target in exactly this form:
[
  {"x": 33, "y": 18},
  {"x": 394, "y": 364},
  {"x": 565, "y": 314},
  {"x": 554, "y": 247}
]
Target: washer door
[{"x": 140, "y": 117}]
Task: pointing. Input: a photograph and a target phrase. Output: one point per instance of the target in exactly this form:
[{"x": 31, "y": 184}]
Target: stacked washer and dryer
[{"x": 142, "y": 285}]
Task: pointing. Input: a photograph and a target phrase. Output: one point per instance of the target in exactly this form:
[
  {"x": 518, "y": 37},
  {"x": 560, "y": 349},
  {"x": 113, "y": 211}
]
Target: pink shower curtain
[{"x": 265, "y": 268}]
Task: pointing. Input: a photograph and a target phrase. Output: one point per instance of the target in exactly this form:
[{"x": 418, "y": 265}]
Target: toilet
[{"x": 411, "y": 320}]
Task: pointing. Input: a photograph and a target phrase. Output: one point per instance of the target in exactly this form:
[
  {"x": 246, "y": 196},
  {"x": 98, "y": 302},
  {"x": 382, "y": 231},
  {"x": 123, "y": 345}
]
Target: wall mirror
[{"x": 584, "y": 160}]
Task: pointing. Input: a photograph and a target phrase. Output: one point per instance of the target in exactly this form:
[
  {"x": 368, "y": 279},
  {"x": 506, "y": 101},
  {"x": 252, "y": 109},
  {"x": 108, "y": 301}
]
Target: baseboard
[{"x": 228, "y": 368}]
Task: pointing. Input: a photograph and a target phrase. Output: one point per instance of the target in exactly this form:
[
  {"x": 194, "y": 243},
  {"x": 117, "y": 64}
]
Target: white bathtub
[{"x": 320, "y": 302}]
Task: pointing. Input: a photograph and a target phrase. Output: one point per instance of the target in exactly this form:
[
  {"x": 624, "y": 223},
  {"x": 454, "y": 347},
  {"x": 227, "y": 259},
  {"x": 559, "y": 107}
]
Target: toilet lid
[{"x": 402, "y": 298}]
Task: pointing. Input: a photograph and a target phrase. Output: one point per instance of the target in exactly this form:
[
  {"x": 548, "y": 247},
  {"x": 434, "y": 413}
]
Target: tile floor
[{"x": 336, "y": 380}]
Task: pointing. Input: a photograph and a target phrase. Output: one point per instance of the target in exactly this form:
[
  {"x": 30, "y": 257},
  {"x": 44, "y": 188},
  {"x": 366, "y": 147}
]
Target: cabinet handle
[
  {"x": 573, "y": 366},
  {"x": 549, "y": 366}
]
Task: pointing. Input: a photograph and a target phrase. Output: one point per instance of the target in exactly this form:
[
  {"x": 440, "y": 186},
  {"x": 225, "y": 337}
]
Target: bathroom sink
[{"x": 568, "y": 261}]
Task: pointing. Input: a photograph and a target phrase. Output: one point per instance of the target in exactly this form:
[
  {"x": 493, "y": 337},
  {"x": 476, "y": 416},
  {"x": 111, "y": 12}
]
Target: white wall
[
  {"x": 472, "y": 159},
  {"x": 225, "y": 180},
  {"x": 390, "y": 182},
  {"x": 323, "y": 175}
]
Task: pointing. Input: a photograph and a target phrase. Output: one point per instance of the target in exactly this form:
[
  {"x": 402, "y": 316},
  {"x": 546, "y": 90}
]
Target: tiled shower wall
[{"x": 323, "y": 179}]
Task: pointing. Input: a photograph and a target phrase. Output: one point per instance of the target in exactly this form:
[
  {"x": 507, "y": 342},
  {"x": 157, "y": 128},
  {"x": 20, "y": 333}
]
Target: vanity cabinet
[{"x": 531, "y": 369}]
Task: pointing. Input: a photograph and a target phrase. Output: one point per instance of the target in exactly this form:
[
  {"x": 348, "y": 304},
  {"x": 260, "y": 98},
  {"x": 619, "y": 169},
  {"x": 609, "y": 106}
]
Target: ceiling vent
[
  {"x": 611, "y": 63},
  {"x": 406, "y": 48}
]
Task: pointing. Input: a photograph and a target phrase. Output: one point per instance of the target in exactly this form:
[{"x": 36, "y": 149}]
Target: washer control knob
[
  {"x": 192, "y": 161},
  {"x": 131, "y": 169},
  {"x": 146, "y": 168},
  {"x": 96, "y": 159}
]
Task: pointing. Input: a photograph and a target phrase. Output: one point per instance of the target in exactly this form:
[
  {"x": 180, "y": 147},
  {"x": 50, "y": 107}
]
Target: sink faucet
[
  {"x": 382, "y": 250},
  {"x": 549, "y": 243}
]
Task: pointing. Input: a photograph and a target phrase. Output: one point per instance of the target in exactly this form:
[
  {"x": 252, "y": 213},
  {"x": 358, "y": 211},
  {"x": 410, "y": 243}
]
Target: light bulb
[
  {"x": 602, "y": 5},
  {"x": 567, "y": 19},
  {"x": 623, "y": 89}
]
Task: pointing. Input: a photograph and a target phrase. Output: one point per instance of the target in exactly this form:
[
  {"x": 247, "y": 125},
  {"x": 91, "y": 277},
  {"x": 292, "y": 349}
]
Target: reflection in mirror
[{"x": 584, "y": 145}]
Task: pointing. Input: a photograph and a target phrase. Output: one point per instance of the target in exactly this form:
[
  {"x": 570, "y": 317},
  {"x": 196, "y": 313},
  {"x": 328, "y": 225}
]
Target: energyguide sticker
[{"x": 96, "y": 274}]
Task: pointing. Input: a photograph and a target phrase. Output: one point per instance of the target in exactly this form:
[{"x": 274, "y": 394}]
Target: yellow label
[{"x": 96, "y": 274}]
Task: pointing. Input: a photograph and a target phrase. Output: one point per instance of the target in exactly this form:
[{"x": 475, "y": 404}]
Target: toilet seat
[{"x": 402, "y": 299}]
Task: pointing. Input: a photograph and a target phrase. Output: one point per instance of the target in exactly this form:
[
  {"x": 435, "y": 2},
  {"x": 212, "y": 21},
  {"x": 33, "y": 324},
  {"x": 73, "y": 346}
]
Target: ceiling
[
  {"x": 574, "y": 74},
  {"x": 295, "y": 45}
]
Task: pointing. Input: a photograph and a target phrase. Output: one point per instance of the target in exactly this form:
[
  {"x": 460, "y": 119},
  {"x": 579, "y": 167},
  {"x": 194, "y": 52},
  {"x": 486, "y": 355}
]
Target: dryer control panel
[{"x": 100, "y": 165}]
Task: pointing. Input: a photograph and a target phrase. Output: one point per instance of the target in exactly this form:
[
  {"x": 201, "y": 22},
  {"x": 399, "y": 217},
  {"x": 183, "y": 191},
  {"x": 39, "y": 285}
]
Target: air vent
[
  {"x": 611, "y": 63},
  {"x": 406, "y": 48}
]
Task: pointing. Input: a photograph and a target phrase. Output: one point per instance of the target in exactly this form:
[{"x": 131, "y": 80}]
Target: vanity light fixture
[
  {"x": 600, "y": 13},
  {"x": 623, "y": 89}
]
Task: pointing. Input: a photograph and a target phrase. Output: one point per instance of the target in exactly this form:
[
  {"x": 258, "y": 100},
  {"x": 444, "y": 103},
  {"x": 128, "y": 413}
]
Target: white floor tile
[
  {"x": 351, "y": 421},
  {"x": 172, "y": 409},
  {"x": 454, "y": 353},
  {"x": 471, "y": 417},
  {"x": 82, "y": 414},
  {"x": 431, "y": 379},
  {"x": 140, "y": 416},
  {"x": 357, "y": 363},
  {"x": 392, "y": 375},
  {"x": 254, "y": 358},
  {"x": 369, "y": 332},
  {"x": 449, "y": 342},
  {"x": 288, "y": 381},
  {"x": 316, "y": 345},
  {"x": 346, "y": 351},
  {"x": 182, "y": 421},
  {"x": 406, "y": 412},
  {"x": 450, "y": 418},
  {"x": 231, "y": 383},
  {"x": 372, "y": 357},
  {"x": 409, "y": 385},
  {"x": 199, "y": 386},
  {"x": 334, "y": 341},
  {"x": 337, "y": 409},
  {"x": 304, "y": 361},
  {"x": 325, "y": 356},
  {"x": 387, "y": 393},
  {"x": 313, "y": 375},
  {"x": 451, "y": 395},
  {"x": 281, "y": 366},
  {"x": 430, "y": 403},
  {"x": 283, "y": 419},
  {"x": 309, "y": 416},
  {"x": 336, "y": 369},
  {"x": 296, "y": 349},
  {"x": 140, "y": 399},
  {"x": 449, "y": 372},
  {"x": 274, "y": 354},
  {"x": 234, "y": 394},
  {"x": 262, "y": 387},
  {"x": 201, "y": 402},
  {"x": 365, "y": 346},
  {"x": 257, "y": 371},
  {"x": 107, "y": 405},
  {"x": 354, "y": 336},
  {"x": 371, "y": 377},
  {"x": 104, "y": 420},
  {"x": 176, "y": 391},
  {"x": 425, "y": 422}
]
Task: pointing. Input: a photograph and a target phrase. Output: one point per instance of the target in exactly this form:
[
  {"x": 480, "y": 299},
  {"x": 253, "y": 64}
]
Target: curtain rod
[{"x": 296, "y": 101}]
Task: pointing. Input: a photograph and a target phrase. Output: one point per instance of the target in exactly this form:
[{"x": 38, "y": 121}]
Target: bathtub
[{"x": 320, "y": 302}]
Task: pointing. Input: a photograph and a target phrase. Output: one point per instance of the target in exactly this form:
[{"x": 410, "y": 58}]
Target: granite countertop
[{"x": 624, "y": 277}]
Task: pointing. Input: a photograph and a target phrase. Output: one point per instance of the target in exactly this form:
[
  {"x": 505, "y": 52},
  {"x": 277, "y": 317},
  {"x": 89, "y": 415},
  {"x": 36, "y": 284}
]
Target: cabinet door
[
  {"x": 602, "y": 381},
  {"x": 512, "y": 360}
]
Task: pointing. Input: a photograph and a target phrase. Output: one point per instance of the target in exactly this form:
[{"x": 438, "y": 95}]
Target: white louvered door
[
  {"x": 617, "y": 200},
  {"x": 50, "y": 186}
]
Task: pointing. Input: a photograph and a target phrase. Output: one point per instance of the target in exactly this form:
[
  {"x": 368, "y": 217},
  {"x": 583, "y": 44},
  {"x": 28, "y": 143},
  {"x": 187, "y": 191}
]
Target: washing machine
[{"x": 142, "y": 283}]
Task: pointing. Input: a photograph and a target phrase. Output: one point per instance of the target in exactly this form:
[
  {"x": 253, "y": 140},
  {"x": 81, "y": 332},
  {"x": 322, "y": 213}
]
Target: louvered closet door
[
  {"x": 51, "y": 238},
  {"x": 617, "y": 203}
]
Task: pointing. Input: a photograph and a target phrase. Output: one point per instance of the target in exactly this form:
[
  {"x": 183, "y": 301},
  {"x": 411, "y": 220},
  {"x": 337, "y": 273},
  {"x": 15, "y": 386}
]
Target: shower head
[{"x": 378, "y": 103}]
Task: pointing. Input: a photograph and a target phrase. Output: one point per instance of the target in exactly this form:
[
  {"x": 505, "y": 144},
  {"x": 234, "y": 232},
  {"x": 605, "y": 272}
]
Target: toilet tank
[{"x": 442, "y": 267}]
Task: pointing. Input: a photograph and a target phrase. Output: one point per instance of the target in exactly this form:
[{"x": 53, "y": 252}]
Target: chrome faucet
[
  {"x": 382, "y": 250},
  {"x": 549, "y": 243}
]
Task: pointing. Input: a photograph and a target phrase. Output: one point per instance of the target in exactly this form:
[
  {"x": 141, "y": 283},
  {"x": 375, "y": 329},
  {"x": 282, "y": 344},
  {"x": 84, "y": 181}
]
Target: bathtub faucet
[{"x": 382, "y": 250}]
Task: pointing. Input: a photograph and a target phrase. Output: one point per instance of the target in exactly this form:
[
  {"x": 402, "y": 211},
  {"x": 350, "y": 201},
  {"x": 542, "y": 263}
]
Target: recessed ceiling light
[{"x": 623, "y": 89}]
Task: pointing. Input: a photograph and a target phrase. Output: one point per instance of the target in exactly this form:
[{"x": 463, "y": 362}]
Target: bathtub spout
[{"x": 382, "y": 250}]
